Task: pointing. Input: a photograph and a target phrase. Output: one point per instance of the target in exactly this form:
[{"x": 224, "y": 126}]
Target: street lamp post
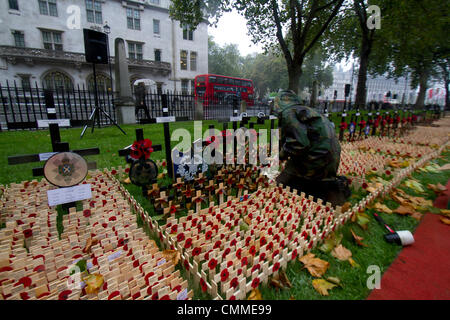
[{"x": 107, "y": 30}]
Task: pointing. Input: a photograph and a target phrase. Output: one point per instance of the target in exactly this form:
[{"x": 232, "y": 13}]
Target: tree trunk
[
  {"x": 361, "y": 90},
  {"x": 312, "y": 100},
  {"x": 294, "y": 74},
  {"x": 423, "y": 86}
]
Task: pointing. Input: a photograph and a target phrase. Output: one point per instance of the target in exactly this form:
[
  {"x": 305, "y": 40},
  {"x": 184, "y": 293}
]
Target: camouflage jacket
[{"x": 307, "y": 138}]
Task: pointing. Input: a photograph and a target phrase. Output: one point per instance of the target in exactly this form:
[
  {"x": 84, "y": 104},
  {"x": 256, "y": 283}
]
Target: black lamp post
[{"x": 107, "y": 30}]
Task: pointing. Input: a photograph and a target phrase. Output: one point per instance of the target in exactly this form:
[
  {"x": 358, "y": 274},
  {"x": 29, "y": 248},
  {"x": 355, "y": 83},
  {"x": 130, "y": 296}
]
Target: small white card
[
  {"x": 45, "y": 156},
  {"x": 60, "y": 122},
  {"x": 67, "y": 195},
  {"x": 165, "y": 119},
  {"x": 358, "y": 114},
  {"x": 273, "y": 117},
  {"x": 238, "y": 118},
  {"x": 369, "y": 114},
  {"x": 160, "y": 262},
  {"x": 344, "y": 114},
  {"x": 51, "y": 110}
]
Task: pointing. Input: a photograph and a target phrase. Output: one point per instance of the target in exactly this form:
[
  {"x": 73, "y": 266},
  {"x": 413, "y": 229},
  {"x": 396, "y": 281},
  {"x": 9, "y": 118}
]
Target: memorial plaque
[{"x": 65, "y": 169}]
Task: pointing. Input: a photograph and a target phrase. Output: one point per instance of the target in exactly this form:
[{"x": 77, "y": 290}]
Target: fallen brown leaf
[
  {"x": 404, "y": 210},
  {"x": 358, "y": 239},
  {"x": 341, "y": 253},
  {"x": 438, "y": 188},
  {"x": 322, "y": 286},
  {"x": 417, "y": 215},
  {"x": 172, "y": 255},
  {"x": 315, "y": 266},
  {"x": 382, "y": 208},
  {"x": 345, "y": 207},
  {"x": 445, "y": 221},
  {"x": 255, "y": 294}
]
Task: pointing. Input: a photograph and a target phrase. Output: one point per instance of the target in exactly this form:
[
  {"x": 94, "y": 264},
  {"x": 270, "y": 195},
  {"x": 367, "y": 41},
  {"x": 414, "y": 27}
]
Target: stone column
[
  {"x": 198, "y": 111},
  {"x": 124, "y": 102}
]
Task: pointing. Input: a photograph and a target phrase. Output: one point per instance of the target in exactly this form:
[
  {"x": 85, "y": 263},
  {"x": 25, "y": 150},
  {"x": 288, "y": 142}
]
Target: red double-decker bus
[{"x": 212, "y": 88}]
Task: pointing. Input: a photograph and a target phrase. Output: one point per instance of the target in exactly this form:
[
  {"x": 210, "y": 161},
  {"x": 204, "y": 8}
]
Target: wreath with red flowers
[{"x": 141, "y": 149}]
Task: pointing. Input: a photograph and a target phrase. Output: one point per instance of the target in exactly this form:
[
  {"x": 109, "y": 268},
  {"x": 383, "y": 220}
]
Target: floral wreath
[{"x": 141, "y": 149}]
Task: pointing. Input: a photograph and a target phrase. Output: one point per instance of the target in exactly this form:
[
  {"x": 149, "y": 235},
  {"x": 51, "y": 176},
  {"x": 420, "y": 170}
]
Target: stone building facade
[{"x": 41, "y": 41}]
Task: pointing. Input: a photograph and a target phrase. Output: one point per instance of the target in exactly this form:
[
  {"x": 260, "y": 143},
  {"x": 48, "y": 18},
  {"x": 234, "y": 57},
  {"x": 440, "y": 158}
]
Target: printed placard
[
  {"x": 45, "y": 156},
  {"x": 67, "y": 195},
  {"x": 165, "y": 119},
  {"x": 59, "y": 122},
  {"x": 234, "y": 119},
  {"x": 183, "y": 295},
  {"x": 271, "y": 117}
]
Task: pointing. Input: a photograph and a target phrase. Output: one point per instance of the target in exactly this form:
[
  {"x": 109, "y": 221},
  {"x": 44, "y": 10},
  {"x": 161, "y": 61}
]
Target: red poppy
[
  {"x": 188, "y": 243},
  {"x": 256, "y": 267},
  {"x": 212, "y": 264},
  {"x": 217, "y": 244},
  {"x": 196, "y": 251},
  {"x": 27, "y": 233},
  {"x": 276, "y": 266},
  {"x": 269, "y": 246},
  {"x": 203, "y": 285},
  {"x": 208, "y": 235},
  {"x": 224, "y": 275},
  {"x": 388, "y": 172},
  {"x": 252, "y": 250},
  {"x": 180, "y": 237},
  {"x": 186, "y": 264},
  {"x": 244, "y": 261},
  {"x": 226, "y": 252},
  {"x": 238, "y": 253},
  {"x": 276, "y": 252},
  {"x": 294, "y": 254},
  {"x": 255, "y": 283},
  {"x": 234, "y": 282},
  {"x": 174, "y": 228}
]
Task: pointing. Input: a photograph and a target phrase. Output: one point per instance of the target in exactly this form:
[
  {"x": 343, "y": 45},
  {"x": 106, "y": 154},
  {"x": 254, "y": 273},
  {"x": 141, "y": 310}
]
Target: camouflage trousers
[{"x": 334, "y": 190}]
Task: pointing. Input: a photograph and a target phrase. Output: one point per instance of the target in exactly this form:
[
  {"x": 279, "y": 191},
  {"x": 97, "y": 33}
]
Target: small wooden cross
[
  {"x": 172, "y": 209},
  {"x": 198, "y": 199},
  {"x": 220, "y": 191},
  {"x": 162, "y": 201},
  {"x": 200, "y": 180}
]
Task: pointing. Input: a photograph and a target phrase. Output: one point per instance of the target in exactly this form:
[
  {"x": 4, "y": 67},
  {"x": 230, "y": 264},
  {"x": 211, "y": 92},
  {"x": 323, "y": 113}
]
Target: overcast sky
[{"x": 232, "y": 28}]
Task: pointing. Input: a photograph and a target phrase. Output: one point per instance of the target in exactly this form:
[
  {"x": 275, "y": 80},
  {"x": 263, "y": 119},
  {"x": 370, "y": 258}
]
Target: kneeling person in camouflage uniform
[{"x": 310, "y": 146}]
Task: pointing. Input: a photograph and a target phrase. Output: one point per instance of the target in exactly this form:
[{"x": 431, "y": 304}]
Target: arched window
[
  {"x": 57, "y": 80},
  {"x": 103, "y": 83}
]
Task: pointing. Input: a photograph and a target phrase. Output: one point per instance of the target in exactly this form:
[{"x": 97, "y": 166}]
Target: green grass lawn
[{"x": 110, "y": 140}]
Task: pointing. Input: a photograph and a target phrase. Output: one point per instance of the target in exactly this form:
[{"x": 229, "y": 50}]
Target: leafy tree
[
  {"x": 224, "y": 60},
  {"x": 296, "y": 26}
]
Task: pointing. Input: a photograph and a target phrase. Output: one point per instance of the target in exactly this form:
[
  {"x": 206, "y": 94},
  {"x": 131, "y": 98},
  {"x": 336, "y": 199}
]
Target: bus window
[
  {"x": 213, "y": 79},
  {"x": 200, "y": 79},
  {"x": 200, "y": 91}
]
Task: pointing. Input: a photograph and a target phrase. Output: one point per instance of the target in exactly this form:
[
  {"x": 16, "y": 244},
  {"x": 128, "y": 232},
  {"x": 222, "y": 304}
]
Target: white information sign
[
  {"x": 45, "y": 156},
  {"x": 67, "y": 195},
  {"x": 165, "y": 119},
  {"x": 60, "y": 122}
]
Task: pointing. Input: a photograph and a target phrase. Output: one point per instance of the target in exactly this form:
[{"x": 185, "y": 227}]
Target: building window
[
  {"x": 159, "y": 87},
  {"x": 19, "y": 38},
  {"x": 57, "y": 81},
  {"x": 193, "y": 61},
  {"x": 183, "y": 60},
  {"x": 48, "y": 7},
  {"x": 133, "y": 19},
  {"x": 188, "y": 34},
  {"x": 103, "y": 83},
  {"x": 94, "y": 11},
  {"x": 156, "y": 26},
  {"x": 157, "y": 55},
  {"x": 25, "y": 81},
  {"x": 154, "y": 2},
  {"x": 13, "y": 5},
  {"x": 52, "y": 40},
  {"x": 135, "y": 51},
  {"x": 184, "y": 86},
  {"x": 192, "y": 85}
]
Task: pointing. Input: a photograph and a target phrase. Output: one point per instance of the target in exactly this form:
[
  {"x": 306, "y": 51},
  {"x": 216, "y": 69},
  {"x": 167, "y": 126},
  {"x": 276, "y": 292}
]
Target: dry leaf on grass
[
  {"x": 438, "y": 188},
  {"x": 445, "y": 212},
  {"x": 358, "y": 239},
  {"x": 382, "y": 208},
  {"x": 404, "y": 210},
  {"x": 417, "y": 215},
  {"x": 341, "y": 253},
  {"x": 445, "y": 167},
  {"x": 280, "y": 281},
  {"x": 322, "y": 286},
  {"x": 255, "y": 294},
  {"x": 353, "y": 263},
  {"x": 334, "y": 280},
  {"x": 172, "y": 255},
  {"x": 127, "y": 180},
  {"x": 330, "y": 242},
  {"x": 345, "y": 207},
  {"x": 315, "y": 266},
  {"x": 445, "y": 221}
]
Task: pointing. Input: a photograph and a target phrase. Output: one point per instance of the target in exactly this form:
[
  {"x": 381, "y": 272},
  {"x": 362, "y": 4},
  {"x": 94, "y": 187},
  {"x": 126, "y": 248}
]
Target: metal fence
[{"x": 21, "y": 107}]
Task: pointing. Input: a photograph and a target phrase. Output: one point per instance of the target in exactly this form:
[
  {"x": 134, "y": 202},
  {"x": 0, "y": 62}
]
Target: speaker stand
[{"x": 95, "y": 115}]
